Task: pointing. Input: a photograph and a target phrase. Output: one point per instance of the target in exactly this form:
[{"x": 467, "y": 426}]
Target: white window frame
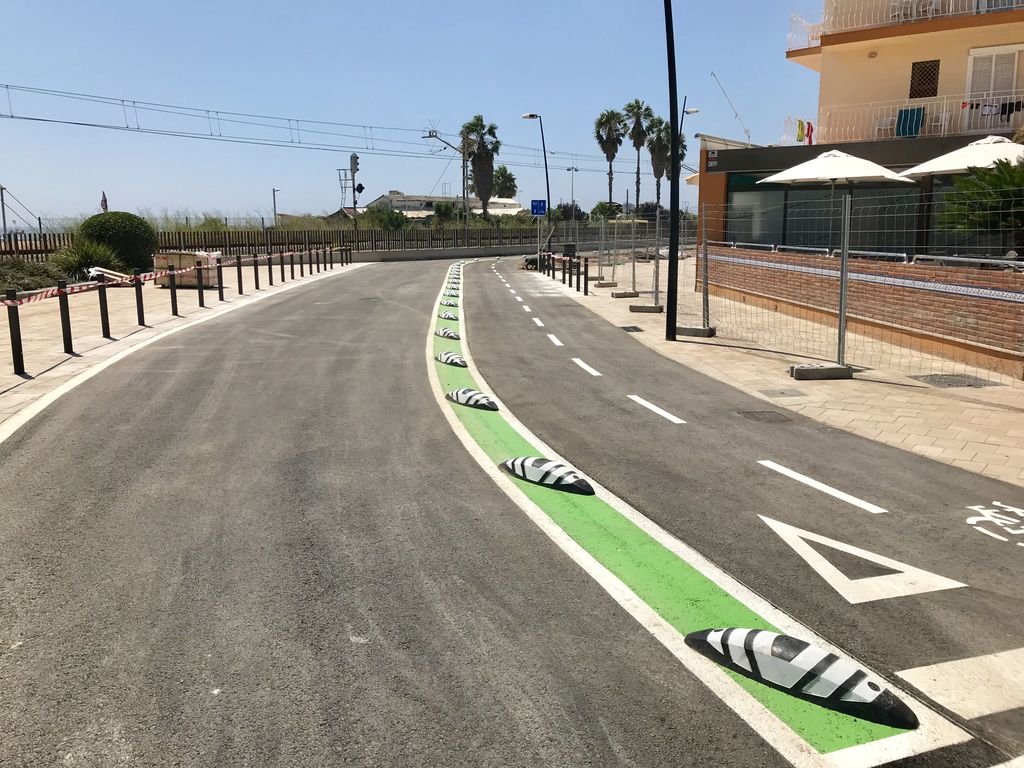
[{"x": 1016, "y": 48}]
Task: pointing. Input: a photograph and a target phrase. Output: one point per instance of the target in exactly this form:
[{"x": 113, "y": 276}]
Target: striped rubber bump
[
  {"x": 552, "y": 474},
  {"x": 447, "y": 333},
  {"x": 805, "y": 671},
  {"x": 448, "y": 316},
  {"x": 472, "y": 398},
  {"x": 450, "y": 358}
]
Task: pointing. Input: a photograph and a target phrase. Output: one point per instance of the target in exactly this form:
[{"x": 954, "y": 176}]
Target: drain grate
[
  {"x": 949, "y": 381},
  {"x": 765, "y": 417},
  {"x": 632, "y": 329}
]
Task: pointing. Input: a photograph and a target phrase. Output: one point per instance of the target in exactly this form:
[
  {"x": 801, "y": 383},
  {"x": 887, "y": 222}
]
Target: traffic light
[{"x": 354, "y": 163}]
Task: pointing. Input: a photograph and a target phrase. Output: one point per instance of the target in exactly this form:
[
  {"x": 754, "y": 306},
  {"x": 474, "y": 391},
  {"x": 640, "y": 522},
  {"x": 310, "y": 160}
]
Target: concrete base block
[
  {"x": 820, "y": 372},
  {"x": 606, "y": 284},
  {"x": 650, "y": 308},
  {"x": 695, "y": 331},
  {"x": 625, "y": 295}
]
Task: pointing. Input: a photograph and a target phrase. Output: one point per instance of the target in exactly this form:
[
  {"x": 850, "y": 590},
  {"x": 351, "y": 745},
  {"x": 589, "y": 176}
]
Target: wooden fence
[{"x": 38, "y": 247}]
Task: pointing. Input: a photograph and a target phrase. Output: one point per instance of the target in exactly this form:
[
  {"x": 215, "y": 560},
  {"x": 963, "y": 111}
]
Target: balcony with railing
[
  {"x": 849, "y": 15},
  {"x": 991, "y": 113}
]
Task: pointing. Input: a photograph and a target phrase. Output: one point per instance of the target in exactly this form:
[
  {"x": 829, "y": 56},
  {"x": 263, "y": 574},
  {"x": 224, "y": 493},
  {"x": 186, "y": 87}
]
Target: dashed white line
[
  {"x": 841, "y": 495},
  {"x": 538, "y": 321},
  {"x": 555, "y": 341},
  {"x": 511, "y": 290},
  {"x": 660, "y": 411},
  {"x": 526, "y": 308},
  {"x": 585, "y": 367},
  {"x": 519, "y": 298}
]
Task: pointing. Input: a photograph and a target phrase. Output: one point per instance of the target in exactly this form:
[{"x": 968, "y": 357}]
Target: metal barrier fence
[
  {"x": 855, "y": 283},
  {"x": 281, "y": 266},
  {"x": 38, "y": 246}
]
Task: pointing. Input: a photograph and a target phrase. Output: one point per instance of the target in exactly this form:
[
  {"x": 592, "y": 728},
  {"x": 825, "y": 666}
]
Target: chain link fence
[{"x": 926, "y": 285}]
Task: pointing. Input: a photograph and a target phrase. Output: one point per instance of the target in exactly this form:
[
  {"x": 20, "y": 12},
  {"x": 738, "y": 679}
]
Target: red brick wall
[{"x": 987, "y": 322}]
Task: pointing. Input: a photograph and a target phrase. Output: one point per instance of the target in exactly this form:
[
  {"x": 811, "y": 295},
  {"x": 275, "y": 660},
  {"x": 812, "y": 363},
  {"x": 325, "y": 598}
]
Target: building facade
[
  {"x": 900, "y": 82},
  {"x": 422, "y": 206}
]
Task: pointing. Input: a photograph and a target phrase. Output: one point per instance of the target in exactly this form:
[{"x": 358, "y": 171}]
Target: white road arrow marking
[{"x": 908, "y": 581}]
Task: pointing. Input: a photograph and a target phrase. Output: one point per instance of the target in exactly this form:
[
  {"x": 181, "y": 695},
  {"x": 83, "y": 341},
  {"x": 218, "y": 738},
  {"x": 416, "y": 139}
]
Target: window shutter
[
  {"x": 981, "y": 74},
  {"x": 1004, "y": 73}
]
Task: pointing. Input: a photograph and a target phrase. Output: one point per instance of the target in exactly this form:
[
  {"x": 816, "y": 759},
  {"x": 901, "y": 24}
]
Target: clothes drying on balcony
[
  {"x": 1007, "y": 109},
  {"x": 909, "y": 122}
]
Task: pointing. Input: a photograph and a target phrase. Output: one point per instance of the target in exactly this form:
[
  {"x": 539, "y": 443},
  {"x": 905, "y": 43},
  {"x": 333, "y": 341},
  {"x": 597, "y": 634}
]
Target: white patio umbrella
[
  {"x": 834, "y": 167},
  {"x": 978, "y": 154}
]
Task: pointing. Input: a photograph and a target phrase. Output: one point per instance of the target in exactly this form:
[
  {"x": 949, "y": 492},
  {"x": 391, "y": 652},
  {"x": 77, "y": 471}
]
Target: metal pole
[
  {"x": 101, "y": 294},
  {"x": 238, "y": 272},
  {"x": 65, "y": 316},
  {"x": 171, "y": 281},
  {"x": 586, "y": 276},
  {"x": 220, "y": 280},
  {"x": 672, "y": 289},
  {"x": 256, "y": 272},
  {"x": 704, "y": 271},
  {"x": 291, "y": 263},
  {"x": 140, "y": 310},
  {"x": 200, "y": 288},
  {"x": 14, "y": 323},
  {"x": 843, "y": 280},
  {"x": 544, "y": 149},
  {"x": 3, "y": 209}
]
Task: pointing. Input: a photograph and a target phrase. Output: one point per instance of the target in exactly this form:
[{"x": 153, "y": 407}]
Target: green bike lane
[{"x": 680, "y": 593}]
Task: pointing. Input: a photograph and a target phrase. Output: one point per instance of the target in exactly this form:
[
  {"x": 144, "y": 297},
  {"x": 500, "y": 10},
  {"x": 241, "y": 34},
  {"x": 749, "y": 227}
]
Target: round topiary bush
[{"x": 131, "y": 237}]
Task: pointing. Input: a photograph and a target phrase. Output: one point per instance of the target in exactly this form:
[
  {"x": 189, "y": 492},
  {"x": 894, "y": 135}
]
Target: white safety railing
[
  {"x": 953, "y": 115},
  {"x": 848, "y": 15}
]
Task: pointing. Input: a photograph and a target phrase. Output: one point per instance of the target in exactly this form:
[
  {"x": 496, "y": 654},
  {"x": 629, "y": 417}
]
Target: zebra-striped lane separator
[{"x": 671, "y": 590}]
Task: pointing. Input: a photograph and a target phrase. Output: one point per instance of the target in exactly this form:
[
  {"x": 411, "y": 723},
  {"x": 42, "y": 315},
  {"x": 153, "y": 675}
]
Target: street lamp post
[
  {"x": 544, "y": 150},
  {"x": 672, "y": 294},
  {"x": 273, "y": 193},
  {"x": 573, "y": 170}
]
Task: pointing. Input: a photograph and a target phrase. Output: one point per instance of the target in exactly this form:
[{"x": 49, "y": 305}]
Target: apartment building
[{"x": 900, "y": 82}]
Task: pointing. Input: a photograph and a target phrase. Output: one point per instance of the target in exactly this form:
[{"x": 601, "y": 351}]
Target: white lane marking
[
  {"x": 526, "y": 308},
  {"x": 934, "y": 732},
  {"x": 975, "y": 687},
  {"x": 539, "y": 322},
  {"x": 519, "y": 298},
  {"x": 907, "y": 580},
  {"x": 555, "y": 340},
  {"x": 22, "y": 417},
  {"x": 511, "y": 290},
  {"x": 660, "y": 411},
  {"x": 585, "y": 367},
  {"x": 841, "y": 495}
]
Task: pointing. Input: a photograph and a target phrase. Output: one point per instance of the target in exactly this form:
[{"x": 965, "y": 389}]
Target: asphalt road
[
  {"x": 257, "y": 542},
  {"x": 702, "y": 482}
]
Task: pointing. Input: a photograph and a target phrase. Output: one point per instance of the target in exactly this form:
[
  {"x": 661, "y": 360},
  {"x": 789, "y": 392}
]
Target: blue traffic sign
[{"x": 538, "y": 207}]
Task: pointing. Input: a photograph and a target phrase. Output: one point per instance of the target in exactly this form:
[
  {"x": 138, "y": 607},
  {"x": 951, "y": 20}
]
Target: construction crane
[{"x": 733, "y": 106}]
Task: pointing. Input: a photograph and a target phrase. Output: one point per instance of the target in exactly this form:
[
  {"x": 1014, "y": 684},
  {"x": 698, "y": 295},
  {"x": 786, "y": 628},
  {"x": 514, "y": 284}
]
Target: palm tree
[
  {"x": 659, "y": 144},
  {"x": 638, "y": 118},
  {"x": 610, "y": 130},
  {"x": 480, "y": 140},
  {"x": 504, "y": 182},
  {"x": 986, "y": 201}
]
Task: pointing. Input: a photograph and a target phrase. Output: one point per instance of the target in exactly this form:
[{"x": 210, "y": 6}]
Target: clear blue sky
[{"x": 387, "y": 63}]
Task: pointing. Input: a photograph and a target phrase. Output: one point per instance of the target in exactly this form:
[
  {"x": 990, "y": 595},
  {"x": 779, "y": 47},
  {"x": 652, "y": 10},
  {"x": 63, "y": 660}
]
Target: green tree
[
  {"x": 130, "y": 237},
  {"x": 659, "y": 144},
  {"x": 481, "y": 144},
  {"x": 610, "y": 130},
  {"x": 638, "y": 118},
  {"x": 989, "y": 200},
  {"x": 445, "y": 214},
  {"x": 504, "y": 182},
  {"x": 382, "y": 217},
  {"x": 605, "y": 210}
]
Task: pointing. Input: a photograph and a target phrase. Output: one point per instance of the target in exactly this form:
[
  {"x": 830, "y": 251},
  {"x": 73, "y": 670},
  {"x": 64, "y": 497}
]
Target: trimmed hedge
[
  {"x": 26, "y": 276},
  {"x": 130, "y": 237}
]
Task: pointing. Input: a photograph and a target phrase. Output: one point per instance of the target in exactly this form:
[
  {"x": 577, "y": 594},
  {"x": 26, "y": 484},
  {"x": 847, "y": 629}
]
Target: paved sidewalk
[
  {"x": 48, "y": 366},
  {"x": 981, "y": 430}
]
